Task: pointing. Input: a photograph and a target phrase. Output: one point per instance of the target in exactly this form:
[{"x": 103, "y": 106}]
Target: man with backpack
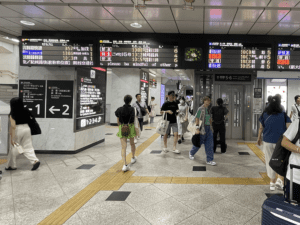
[
  {"x": 218, "y": 121},
  {"x": 142, "y": 110}
]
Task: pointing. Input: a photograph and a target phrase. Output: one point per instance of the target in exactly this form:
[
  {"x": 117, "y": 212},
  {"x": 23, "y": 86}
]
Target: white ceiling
[
  {"x": 261, "y": 17},
  {"x": 172, "y": 74}
]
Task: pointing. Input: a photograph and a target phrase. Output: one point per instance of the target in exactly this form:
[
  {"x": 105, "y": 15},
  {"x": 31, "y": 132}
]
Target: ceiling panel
[
  {"x": 162, "y": 2},
  {"x": 62, "y": 12},
  {"x": 222, "y": 2},
  {"x": 292, "y": 17},
  {"x": 180, "y": 14},
  {"x": 125, "y": 13},
  {"x": 37, "y": 26},
  {"x": 154, "y": 14},
  {"x": 92, "y": 12},
  {"x": 190, "y": 27},
  {"x": 30, "y": 11},
  {"x": 297, "y": 33},
  {"x": 255, "y": 2},
  {"x": 240, "y": 28},
  {"x": 261, "y": 28},
  {"x": 13, "y": 1},
  {"x": 216, "y": 15},
  {"x": 284, "y": 28},
  {"x": 6, "y": 23},
  {"x": 6, "y": 12},
  {"x": 146, "y": 28},
  {"x": 270, "y": 16},
  {"x": 83, "y": 24},
  {"x": 247, "y": 15},
  {"x": 115, "y": 1},
  {"x": 80, "y": 1},
  {"x": 16, "y": 33},
  {"x": 283, "y": 3},
  {"x": 181, "y": 2},
  {"x": 164, "y": 26},
  {"x": 111, "y": 25},
  {"x": 57, "y": 24},
  {"x": 216, "y": 27},
  {"x": 53, "y": 1}
]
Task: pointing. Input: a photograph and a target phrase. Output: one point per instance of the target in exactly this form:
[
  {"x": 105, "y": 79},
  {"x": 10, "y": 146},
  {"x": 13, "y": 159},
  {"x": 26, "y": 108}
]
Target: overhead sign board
[
  {"x": 288, "y": 56},
  {"x": 91, "y": 98},
  {"x": 233, "y": 78},
  {"x": 32, "y": 92},
  {"x": 59, "y": 99},
  {"x": 56, "y": 52},
  {"x": 137, "y": 53}
]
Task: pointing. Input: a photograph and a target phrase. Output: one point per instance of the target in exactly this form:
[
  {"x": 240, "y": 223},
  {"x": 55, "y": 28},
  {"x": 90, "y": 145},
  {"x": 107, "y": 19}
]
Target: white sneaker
[
  {"x": 135, "y": 141},
  {"x": 165, "y": 150},
  {"x": 191, "y": 157},
  {"x": 176, "y": 151},
  {"x": 138, "y": 137},
  {"x": 211, "y": 163},
  {"x": 272, "y": 186},
  {"x": 133, "y": 160},
  {"x": 279, "y": 184},
  {"x": 125, "y": 168}
]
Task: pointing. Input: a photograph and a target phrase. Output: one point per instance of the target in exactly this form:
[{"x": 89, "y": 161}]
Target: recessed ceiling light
[
  {"x": 136, "y": 25},
  {"x": 27, "y": 23}
]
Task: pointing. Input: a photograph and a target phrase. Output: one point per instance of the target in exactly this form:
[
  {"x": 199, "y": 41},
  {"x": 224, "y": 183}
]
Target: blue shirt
[{"x": 274, "y": 126}]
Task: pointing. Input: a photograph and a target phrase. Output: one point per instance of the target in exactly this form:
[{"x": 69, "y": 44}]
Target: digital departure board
[
  {"x": 228, "y": 55},
  {"x": 116, "y": 53},
  {"x": 56, "y": 52},
  {"x": 288, "y": 56}
]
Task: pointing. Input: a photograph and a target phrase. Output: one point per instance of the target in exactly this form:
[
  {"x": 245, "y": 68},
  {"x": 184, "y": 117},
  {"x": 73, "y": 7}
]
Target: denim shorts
[{"x": 174, "y": 127}]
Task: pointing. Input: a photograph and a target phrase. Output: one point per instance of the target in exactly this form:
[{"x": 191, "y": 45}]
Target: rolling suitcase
[{"x": 277, "y": 211}]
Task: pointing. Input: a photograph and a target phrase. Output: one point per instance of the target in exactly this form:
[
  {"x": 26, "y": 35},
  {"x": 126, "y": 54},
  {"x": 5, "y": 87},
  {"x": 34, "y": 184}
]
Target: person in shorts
[{"x": 171, "y": 109}]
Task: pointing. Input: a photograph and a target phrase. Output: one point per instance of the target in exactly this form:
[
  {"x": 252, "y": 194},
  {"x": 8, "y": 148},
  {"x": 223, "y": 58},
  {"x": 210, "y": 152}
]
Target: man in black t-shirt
[{"x": 171, "y": 108}]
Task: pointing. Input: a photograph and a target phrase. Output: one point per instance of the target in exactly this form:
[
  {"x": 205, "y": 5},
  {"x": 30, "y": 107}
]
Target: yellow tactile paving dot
[
  {"x": 149, "y": 180},
  {"x": 163, "y": 180},
  {"x": 241, "y": 143},
  {"x": 226, "y": 180},
  {"x": 134, "y": 179},
  {"x": 194, "y": 180},
  {"x": 179, "y": 180},
  {"x": 210, "y": 180},
  {"x": 2, "y": 161}
]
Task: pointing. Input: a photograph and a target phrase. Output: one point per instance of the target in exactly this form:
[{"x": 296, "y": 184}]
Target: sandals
[
  {"x": 36, "y": 165},
  {"x": 9, "y": 168}
]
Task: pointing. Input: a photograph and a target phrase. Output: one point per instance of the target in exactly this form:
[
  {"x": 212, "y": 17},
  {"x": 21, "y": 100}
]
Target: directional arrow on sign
[{"x": 52, "y": 109}]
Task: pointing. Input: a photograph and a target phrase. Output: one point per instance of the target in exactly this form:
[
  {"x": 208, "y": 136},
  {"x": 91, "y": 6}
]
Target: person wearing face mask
[{"x": 182, "y": 119}]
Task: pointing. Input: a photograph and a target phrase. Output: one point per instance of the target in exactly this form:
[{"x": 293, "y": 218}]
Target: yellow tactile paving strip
[
  {"x": 114, "y": 178},
  {"x": 111, "y": 180},
  {"x": 2, "y": 161}
]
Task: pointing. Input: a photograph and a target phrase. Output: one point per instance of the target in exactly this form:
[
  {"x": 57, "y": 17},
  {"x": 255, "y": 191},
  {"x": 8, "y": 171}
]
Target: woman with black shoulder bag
[{"x": 125, "y": 118}]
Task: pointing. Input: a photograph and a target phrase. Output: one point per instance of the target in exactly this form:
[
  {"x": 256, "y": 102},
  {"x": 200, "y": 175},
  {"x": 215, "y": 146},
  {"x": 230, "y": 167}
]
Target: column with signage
[
  {"x": 144, "y": 86},
  {"x": 32, "y": 92}
]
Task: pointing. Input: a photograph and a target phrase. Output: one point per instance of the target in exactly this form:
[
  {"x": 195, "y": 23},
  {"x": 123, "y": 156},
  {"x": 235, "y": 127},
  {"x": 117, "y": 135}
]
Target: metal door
[{"x": 232, "y": 96}]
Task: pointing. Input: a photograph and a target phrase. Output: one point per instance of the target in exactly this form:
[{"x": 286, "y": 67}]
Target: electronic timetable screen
[
  {"x": 128, "y": 53},
  {"x": 288, "y": 57},
  {"x": 232, "y": 55},
  {"x": 56, "y": 52}
]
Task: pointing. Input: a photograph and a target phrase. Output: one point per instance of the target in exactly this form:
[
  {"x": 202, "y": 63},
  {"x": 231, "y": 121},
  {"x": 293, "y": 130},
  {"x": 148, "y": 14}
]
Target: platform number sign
[
  {"x": 33, "y": 92},
  {"x": 59, "y": 99}
]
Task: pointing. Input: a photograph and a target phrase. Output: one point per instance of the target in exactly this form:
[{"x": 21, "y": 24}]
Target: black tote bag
[
  {"x": 34, "y": 126},
  {"x": 280, "y": 159}
]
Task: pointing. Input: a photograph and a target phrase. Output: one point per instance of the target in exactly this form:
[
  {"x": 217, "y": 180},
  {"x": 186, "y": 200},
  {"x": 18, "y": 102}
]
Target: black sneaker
[
  {"x": 36, "y": 165},
  {"x": 182, "y": 139},
  {"x": 179, "y": 141}
]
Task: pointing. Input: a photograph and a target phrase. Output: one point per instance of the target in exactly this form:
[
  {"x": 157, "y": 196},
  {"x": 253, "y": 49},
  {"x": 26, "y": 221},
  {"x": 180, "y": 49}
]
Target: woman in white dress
[{"x": 182, "y": 119}]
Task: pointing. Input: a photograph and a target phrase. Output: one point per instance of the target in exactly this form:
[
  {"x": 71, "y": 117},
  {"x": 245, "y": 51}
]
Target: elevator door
[{"x": 232, "y": 96}]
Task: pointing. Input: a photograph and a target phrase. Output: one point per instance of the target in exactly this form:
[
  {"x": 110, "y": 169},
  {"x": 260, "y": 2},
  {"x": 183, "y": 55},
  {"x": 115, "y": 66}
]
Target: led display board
[
  {"x": 56, "y": 52},
  {"x": 91, "y": 98},
  {"x": 128, "y": 53},
  {"x": 288, "y": 57},
  {"x": 229, "y": 55}
]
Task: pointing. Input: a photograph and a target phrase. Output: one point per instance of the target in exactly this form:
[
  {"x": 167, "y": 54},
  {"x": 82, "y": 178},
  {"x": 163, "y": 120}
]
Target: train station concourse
[{"x": 149, "y": 112}]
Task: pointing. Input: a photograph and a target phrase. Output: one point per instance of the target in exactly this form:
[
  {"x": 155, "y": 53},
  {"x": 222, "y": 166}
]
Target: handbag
[
  {"x": 192, "y": 124},
  {"x": 162, "y": 125},
  {"x": 280, "y": 157},
  {"x": 34, "y": 126},
  {"x": 143, "y": 110},
  {"x": 125, "y": 130},
  {"x": 17, "y": 148}
]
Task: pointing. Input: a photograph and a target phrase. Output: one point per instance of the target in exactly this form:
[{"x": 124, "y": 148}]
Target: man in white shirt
[
  {"x": 295, "y": 113},
  {"x": 138, "y": 105}
]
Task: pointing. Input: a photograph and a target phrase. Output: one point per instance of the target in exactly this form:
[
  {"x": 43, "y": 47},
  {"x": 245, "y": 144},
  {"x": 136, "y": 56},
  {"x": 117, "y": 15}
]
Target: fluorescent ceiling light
[
  {"x": 27, "y": 23},
  {"x": 136, "y": 25},
  {"x": 15, "y": 40},
  {"x": 188, "y": 7},
  {"x": 177, "y": 70},
  {"x": 152, "y": 75},
  {"x": 278, "y": 80}
]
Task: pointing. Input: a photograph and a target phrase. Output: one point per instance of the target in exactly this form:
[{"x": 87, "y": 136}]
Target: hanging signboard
[
  {"x": 32, "y": 92},
  {"x": 59, "y": 99},
  {"x": 233, "y": 78},
  {"x": 144, "y": 86},
  {"x": 257, "y": 92}
]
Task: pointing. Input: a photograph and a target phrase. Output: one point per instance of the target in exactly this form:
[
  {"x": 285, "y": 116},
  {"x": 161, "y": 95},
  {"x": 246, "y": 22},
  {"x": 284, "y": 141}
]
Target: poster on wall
[
  {"x": 162, "y": 94},
  {"x": 32, "y": 92},
  {"x": 144, "y": 86},
  {"x": 59, "y": 99},
  {"x": 91, "y": 98},
  {"x": 153, "y": 83}
]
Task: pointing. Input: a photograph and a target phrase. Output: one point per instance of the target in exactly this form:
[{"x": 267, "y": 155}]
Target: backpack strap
[{"x": 297, "y": 110}]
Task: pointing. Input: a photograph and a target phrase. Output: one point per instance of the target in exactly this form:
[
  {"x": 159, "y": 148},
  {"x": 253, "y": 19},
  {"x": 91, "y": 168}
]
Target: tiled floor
[{"x": 28, "y": 197}]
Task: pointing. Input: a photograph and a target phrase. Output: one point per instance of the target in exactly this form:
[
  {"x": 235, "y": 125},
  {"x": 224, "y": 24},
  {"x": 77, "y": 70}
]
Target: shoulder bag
[
  {"x": 297, "y": 110},
  {"x": 162, "y": 125},
  {"x": 192, "y": 124},
  {"x": 280, "y": 158},
  {"x": 143, "y": 110},
  {"x": 34, "y": 126}
]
